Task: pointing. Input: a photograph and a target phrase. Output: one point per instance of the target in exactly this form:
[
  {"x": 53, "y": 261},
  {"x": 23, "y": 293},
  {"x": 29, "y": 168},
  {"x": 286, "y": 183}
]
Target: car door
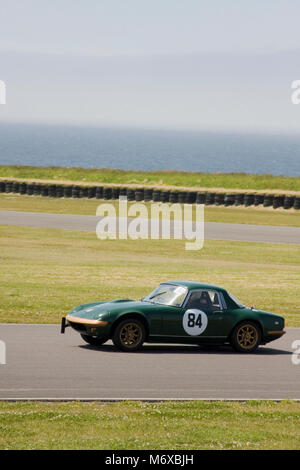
[
  {"x": 205, "y": 317},
  {"x": 182, "y": 323},
  {"x": 201, "y": 318}
]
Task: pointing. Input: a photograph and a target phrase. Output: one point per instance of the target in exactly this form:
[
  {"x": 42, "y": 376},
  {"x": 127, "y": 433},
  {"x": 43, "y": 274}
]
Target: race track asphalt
[
  {"x": 213, "y": 230},
  {"x": 41, "y": 363}
]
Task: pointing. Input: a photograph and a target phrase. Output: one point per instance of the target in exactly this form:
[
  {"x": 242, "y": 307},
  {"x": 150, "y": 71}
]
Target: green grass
[
  {"x": 156, "y": 178},
  {"x": 236, "y": 215},
  {"x": 138, "y": 425},
  {"x": 46, "y": 272}
]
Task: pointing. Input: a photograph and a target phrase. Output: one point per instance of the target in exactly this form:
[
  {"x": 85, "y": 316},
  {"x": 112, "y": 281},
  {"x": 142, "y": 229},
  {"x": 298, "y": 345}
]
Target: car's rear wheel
[
  {"x": 129, "y": 335},
  {"x": 246, "y": 337},
  {"x": 93, "y": 340}
]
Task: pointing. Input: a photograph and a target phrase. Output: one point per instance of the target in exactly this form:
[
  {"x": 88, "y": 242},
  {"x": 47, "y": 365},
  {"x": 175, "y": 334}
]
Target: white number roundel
[{"x": 194, "y": 322}]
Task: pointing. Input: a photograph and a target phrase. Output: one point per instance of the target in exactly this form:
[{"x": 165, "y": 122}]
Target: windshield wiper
[{"x": 156, "y": 295}]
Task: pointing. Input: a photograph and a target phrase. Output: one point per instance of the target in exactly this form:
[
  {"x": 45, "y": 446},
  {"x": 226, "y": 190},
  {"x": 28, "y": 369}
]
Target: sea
[{"x": 149, "y": 149}]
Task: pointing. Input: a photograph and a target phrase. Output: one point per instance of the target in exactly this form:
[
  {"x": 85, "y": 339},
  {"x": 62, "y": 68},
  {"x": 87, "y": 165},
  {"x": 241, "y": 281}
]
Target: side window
[
  {"x": 215, "y": 300},
  {"x": 194, "y": 300},
  {"x": 206, "y": 300}
]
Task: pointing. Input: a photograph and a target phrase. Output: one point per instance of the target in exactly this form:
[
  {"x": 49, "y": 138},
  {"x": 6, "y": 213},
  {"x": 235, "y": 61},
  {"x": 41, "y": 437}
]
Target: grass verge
[
  {"x": 234, "y": 215},
  {"x": 156, "y": 178},
  {"x": 46, "y": 272},
  {"x": 138, "y": 425}
]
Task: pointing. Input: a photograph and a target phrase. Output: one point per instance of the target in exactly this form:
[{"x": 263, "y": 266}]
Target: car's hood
[{"x": 94, "y": 309}]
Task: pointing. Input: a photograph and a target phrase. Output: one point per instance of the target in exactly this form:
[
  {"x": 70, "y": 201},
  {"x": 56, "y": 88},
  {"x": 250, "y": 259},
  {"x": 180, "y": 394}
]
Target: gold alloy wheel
[
  {"x": 131, "y": 335},
  {"x": 247, "y": 336}
]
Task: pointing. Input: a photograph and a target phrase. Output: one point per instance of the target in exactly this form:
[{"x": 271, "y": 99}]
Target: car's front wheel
[
  {"x": 93, "y": 340},
  {"x": 246, "y": 337},
  {"x": 129, "y": 335}
]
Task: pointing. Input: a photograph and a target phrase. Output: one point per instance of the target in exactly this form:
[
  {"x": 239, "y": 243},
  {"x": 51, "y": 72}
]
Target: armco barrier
[{"x": 150, "y": 194}]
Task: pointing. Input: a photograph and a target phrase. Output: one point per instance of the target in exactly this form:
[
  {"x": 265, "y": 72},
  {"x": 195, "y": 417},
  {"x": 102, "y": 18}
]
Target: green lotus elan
[{"x": 176, "y": 312}]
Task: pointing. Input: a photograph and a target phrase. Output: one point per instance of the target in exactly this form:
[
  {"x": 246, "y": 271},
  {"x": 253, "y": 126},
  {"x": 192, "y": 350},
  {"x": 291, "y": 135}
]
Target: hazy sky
[{"x": 210, "y": 64}]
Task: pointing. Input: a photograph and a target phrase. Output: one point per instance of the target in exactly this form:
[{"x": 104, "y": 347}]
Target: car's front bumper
[{"x": 84, "y": 325}]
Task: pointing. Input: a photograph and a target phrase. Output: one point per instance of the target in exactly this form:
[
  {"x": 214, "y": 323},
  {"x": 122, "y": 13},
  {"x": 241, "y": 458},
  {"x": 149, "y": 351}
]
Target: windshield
[
  {"x": 236, "y": 301},
  {"x": 167, "y": 294}
]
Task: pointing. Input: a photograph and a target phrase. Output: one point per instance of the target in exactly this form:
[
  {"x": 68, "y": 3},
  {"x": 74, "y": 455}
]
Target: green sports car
[{"x": 176, "y": 312}]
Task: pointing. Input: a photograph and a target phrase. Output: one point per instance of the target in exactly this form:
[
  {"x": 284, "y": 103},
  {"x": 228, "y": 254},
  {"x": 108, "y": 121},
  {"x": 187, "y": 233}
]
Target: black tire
[
  {"x": 129, "y": 335},
  {"x": 173, "y": 199},
  {"x": 91, "y": 192},
  {"x": 156, "y": 195},
  {"x": 99, "y": 192},
  {"x": 200, "y": 199},
  {"x": 229, "y": 199},
  {"x": 165, "y": 196},
  {"x": 115, "y": 192},
  {"x": 239, "y": 199},
  {"x": 246, "y": 337},
  {"x": 139, "y": 194},
  {"x": 93, "y": 340},
  {"x": 130, "y": 194}
]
